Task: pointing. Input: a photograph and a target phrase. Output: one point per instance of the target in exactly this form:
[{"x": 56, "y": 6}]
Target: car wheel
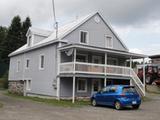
[
  {"x": 94, "y": 102},
  {"x": 117, "y": 105},
  {"x": 135, "y": 106}
]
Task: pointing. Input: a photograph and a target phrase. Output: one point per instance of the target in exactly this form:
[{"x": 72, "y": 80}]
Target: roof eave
[
  {"x": 36, "y": 47},
  {"x": 133, "y": 55}
]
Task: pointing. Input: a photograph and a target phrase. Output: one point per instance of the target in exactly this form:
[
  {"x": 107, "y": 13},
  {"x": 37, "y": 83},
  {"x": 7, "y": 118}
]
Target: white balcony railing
[{"x": 91, "y": 68}]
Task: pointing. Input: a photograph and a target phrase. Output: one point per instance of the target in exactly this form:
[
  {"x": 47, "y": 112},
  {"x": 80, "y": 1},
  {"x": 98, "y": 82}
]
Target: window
[
  {"x": 28, "y": 84},
  {"x": 27, "y": 63},
  {"x": 82, "y": 85},
  {"x": 83, "y": 37},
  {"x": 18, "y": 66},
  {"x": 109, "y": 42},
  {"x": 82, "y": 58},
  {"x": 41, "y": 63},
  {"x": 29, "y": 40},
  {"x": 112, "y": 61},
  {"x": 97, "y": 59}
]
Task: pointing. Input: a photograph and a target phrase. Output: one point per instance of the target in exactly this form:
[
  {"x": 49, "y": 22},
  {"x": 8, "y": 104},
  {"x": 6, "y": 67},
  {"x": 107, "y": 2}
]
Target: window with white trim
[
  {"x": 41, "y": 62},
  {"x": 109, "y": 42},
  {"x": 27, "y": 63},
  {"x": 84, "y": 37},
  {"x": 81, "y": 85},
  {"x": 18, "y": 66}
]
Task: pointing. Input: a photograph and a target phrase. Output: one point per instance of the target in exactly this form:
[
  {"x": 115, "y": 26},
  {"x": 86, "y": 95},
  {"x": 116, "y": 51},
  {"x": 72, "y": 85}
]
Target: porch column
[
  {"x": 105, "y": 70},
  {"x": 130, "y": 64},
  {"x": 58, "y": 88},
  {"x": 73, "y": 92},
  {"x": 74, "y": 78},
  {"x": 58, "y": 71},
  {"x": 144, "y": 77}
]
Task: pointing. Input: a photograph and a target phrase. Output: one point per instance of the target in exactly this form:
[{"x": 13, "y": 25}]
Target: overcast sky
[{"x": 137, "y": 22}]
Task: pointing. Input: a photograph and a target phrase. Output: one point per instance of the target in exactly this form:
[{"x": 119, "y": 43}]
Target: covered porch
[
  {"x": 83, "y": 60},
  {"x": 85, "y": 86}
]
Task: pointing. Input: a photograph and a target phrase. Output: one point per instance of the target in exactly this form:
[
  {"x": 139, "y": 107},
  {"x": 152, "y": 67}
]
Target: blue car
[{"x": 118, "y": 96}]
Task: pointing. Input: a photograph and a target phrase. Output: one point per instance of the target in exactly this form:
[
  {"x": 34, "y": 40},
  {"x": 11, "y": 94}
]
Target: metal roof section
[{"x": 62, "y": 32}]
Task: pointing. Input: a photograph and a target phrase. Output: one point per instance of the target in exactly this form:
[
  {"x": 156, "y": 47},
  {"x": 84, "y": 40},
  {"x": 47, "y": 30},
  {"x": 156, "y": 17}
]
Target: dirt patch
[{"x": 22, "y": 109}]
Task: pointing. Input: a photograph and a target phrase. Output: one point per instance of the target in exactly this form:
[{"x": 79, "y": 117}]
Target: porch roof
[
  {"x": 93, "y": 76},
  {"x": 102, "y": 50}
]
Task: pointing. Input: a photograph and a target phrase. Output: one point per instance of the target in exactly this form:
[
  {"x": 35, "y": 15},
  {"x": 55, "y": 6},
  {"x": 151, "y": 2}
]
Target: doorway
[{"x": 96, "y": 85}]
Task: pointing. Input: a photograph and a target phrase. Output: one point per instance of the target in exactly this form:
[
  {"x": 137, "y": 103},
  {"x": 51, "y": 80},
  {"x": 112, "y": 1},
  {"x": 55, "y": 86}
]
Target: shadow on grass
[{"x": 54, "y": 102}]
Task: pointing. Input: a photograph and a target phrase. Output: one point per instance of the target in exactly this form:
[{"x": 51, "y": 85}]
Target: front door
[{"x": 96, "y": 85}]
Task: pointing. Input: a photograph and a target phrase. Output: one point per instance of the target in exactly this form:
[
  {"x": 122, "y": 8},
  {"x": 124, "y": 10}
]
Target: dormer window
[
  {"x": 84, "y": 36},
  {"x": 109, "y": 42},
  {"x": 29, "y": 40}
]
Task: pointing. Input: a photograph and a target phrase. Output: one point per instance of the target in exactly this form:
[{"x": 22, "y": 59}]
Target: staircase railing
[{"x": 137, "y": 82}]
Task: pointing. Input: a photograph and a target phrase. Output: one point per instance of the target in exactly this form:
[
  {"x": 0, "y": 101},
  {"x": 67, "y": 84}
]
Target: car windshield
[{"x": 129, "y": 90}]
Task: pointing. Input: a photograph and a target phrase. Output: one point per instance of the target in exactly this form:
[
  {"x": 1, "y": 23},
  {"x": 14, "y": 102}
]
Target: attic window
[
  {"x": 109, "y": 42},
  {"x": 83, "y": 37},
  {"x": 29, "y": 40}
]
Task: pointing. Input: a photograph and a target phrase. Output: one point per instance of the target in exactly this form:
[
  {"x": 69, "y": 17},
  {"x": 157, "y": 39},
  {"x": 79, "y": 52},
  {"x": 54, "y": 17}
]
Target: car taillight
[{"x": 123, "y": 95}]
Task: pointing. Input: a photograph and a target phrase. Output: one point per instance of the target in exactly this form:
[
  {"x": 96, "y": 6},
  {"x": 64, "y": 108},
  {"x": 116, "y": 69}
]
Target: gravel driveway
[{"x": 20, "y": 109}]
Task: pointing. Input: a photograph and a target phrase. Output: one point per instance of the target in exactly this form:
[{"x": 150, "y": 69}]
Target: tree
[
  {"x": 25, "y": 26},
  {"x": 3, "y": 34},
  {"x": 13, "y": 39}
]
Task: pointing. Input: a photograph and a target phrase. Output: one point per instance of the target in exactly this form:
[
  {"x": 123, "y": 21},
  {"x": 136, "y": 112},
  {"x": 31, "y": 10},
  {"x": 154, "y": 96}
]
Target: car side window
[
  {"x": 112, "y": 89},
  {"x": 105, "y": 90}
]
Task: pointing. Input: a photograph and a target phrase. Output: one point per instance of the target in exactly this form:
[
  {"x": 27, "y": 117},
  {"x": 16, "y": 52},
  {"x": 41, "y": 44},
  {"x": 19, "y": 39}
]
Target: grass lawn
[{"x": 61, "y": 103}]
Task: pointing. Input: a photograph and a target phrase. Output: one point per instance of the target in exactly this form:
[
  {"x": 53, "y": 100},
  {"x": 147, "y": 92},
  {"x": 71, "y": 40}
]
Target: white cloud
[{"x": 136, "y": 50}]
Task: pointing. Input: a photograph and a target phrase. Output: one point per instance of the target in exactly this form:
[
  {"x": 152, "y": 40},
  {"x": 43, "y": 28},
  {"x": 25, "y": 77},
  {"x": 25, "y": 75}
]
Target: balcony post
[
  {"x": 74, "y": 61},
  {"x": 130, "y": 64},
  {"x": 144, "y": 77},
  {"x": 105, "y": 70},
  {"x": 74, "y": 78}
]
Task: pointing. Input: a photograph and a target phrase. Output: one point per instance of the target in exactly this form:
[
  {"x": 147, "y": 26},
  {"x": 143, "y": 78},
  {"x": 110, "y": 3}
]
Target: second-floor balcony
[{"x": 91, "y": 68}]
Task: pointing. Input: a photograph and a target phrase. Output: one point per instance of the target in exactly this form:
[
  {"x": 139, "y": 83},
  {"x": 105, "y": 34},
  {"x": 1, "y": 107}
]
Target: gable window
[
  {"x": 29, "y": 40},
  {"x": 82, "y": 85},
  {"x": 18, "y": 66},
  {"x": 27, "y": 63},
  {"x": 109, "y": 42},
  {"x": 41, "y": 62},
  {"x": 84, "y": 37}
]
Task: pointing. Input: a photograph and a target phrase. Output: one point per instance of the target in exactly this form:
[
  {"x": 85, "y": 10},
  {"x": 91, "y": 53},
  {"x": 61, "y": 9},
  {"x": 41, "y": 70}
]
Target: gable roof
[
  {"x": 38, "y": 31},
  {"x": 62, "y": 32}
]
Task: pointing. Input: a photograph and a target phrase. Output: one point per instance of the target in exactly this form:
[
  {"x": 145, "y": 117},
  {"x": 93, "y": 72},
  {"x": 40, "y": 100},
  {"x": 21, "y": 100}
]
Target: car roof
[{"x": 119, "y": 86}]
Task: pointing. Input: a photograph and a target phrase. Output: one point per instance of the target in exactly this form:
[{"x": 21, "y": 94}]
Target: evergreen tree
[
  {"x": 13, "y": 39},
  {"x": 25, "y": 26}
]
